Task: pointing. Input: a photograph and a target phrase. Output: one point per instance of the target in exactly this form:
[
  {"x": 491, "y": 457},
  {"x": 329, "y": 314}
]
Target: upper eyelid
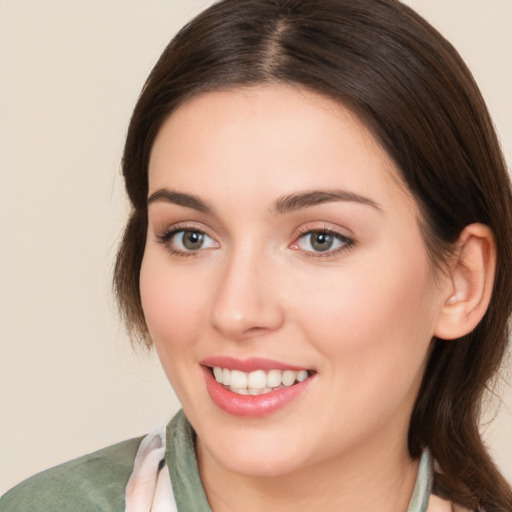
[
  {"x": 317, "y": 226},
  {"x": 348, "y": 239},
  {"x": 166, "y": 238},
  {"x": 184, "y": 226},
  {"x": 332, "y": 232},
  {"x": 161, "y": 221},
  {"x": 165, "y": 235}
]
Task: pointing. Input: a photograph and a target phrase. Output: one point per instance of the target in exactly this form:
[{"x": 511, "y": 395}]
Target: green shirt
[{"x": 97, "y": 482}]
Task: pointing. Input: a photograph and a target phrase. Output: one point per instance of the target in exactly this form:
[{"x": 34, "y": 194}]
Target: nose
[{"x": 246, "y": 303}]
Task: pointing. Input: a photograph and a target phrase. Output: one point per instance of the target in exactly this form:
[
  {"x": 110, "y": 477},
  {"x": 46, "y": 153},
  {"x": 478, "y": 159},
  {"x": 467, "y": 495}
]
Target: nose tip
[
  {"x": 245, "y": 304},
  {"x": 238, "y": 317},
  {"x": 237, "y": 326}
]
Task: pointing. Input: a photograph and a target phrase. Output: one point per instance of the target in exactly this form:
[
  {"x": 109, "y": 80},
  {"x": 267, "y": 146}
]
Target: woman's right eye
[{"x": 187, "y": 241}]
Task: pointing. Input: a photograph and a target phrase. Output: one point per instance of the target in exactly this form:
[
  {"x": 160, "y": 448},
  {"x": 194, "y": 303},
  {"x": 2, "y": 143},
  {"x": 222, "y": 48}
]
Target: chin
[
  {"x": 257, "y": 454},
  {"x": 258, "y": 465}
]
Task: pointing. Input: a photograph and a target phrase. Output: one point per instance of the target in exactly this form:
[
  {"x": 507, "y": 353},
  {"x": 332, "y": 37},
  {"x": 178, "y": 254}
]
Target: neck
[{"x": 372, "y": 479}]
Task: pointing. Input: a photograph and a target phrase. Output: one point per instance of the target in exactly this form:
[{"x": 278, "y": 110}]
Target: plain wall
[{"x": 70, "y": 73}]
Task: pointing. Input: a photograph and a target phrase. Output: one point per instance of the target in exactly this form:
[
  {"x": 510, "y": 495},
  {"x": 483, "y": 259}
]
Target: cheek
[
  {"x": 377, "y": 318},
  {"x": 373, "y": 330},
  {"x": 173, "y": 306}
]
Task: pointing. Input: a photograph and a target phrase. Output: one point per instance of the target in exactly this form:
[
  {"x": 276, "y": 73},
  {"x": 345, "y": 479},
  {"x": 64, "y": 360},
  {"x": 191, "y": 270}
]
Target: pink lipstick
[{"x": 253, "y": 387}]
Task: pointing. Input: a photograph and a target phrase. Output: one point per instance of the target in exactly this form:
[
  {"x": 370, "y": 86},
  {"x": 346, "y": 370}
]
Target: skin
[{"x": 361, "y": 316}]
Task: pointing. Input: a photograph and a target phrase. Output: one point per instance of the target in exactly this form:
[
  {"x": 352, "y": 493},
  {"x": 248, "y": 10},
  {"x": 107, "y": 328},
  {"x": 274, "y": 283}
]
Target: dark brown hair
[{"x": 412, "y": 89}]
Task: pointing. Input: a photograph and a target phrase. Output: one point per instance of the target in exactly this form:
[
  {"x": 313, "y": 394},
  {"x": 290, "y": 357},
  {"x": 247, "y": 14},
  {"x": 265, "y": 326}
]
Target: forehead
[{"x": 270, "y": 135}]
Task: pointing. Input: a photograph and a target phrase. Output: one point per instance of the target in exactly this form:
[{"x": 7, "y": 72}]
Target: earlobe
[{"x": 472, "y": 278}]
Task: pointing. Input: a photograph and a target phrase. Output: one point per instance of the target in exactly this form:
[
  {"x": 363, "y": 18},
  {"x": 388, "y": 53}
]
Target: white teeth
[
  {"x": 239, "y": 391},
  {"x": 302, "y": 375},
  {"x": 274, "y": 378},
  {"x": 238, "y": 379},
  {"x": 289, "y": 377},
  {"x": 259, "y": 391},
  {"x": 257, "y": 382},
  {"x": 217, "y": 372}
]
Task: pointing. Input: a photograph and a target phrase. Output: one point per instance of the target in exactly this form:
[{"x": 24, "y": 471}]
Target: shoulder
[{"x": 94, "y": 482}]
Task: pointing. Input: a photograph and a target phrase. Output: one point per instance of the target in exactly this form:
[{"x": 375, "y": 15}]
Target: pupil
[
  {"x": 322, "y": 241},
  {"x": 193, "y": 240}
]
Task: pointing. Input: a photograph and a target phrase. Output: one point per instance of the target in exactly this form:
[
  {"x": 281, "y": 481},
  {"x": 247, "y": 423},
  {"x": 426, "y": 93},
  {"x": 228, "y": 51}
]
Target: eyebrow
[
  {"x": 307, "y": 199},
  {"x": 179, "y": 198},
  {"x": 286, "y": 204}
]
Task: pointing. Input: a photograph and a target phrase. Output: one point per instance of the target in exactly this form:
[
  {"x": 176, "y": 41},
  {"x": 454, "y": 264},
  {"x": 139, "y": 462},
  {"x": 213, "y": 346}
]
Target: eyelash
[
  {"x": 347, "y": 242},
  {"x": 166, "y": 237}
]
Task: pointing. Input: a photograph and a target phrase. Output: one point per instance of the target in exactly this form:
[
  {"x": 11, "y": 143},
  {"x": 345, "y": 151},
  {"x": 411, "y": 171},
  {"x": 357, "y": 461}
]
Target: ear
[{"x": 472, "y": 278}]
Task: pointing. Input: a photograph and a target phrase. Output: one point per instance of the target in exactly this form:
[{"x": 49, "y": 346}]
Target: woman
[{"x": 319, "y": 249}]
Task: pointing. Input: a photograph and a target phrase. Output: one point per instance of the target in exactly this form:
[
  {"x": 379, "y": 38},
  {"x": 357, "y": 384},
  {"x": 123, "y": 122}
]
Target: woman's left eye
[{"x": 322, "y": 241}]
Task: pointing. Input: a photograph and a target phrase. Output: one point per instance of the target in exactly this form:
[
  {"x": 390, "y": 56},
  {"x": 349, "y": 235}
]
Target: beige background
[{"x": 70, "y": 72}]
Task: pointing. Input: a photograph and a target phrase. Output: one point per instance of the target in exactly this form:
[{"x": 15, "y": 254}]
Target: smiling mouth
[{"x": 258, "y": 382}]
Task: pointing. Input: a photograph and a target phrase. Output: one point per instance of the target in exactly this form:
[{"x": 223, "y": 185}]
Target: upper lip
[{"x": 249, "y": 364}]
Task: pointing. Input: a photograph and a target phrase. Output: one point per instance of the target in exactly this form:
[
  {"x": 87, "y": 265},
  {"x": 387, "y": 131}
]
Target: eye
[
  {"x": 322, "y": 241},
  {"x": 186, "y": 241}
]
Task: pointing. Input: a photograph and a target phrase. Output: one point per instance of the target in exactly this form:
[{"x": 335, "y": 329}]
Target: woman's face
[{"x": 282, "y": 247}]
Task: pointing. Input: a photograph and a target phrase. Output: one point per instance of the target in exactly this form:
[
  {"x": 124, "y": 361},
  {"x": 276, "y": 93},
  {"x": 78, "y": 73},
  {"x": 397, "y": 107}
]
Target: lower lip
[{"x": 251, "y": 405}]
